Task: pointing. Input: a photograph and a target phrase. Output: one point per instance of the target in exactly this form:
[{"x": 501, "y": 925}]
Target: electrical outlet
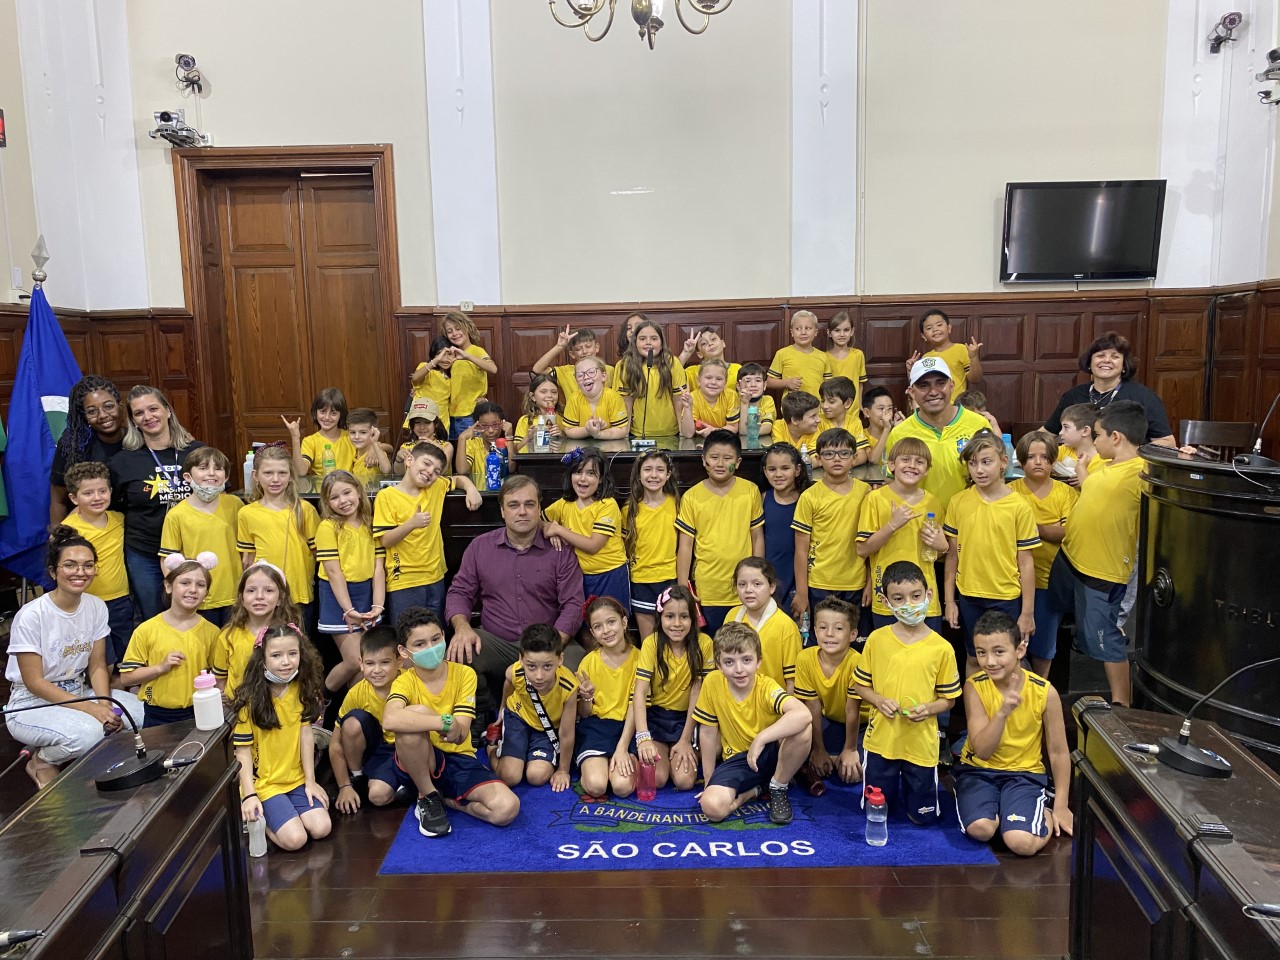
[
  {"x": 18, "y": 278},
  {"x": 466, "y": 306}
]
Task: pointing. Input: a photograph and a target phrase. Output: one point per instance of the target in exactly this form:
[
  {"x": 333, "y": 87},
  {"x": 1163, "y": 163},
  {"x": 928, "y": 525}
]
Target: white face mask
[
  {"x": 911, "y": 614},
  {"x": 272, "y": 678},
  {"x": 207, "y": 493}
]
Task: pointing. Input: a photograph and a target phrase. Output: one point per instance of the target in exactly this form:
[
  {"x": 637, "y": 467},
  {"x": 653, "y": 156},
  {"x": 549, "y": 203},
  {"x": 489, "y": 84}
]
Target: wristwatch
[{"x": 446, "y": 723}]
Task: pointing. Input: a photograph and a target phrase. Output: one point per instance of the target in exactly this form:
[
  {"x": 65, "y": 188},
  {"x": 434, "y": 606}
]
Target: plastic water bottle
[
  {"x": 877, "y": 812},
  {"x": 493, "y": 469},
  {"x": 927, "y": 553},
  {"x": 501, "y": 444},
  {"x": 207, "y": 702},
  {"x": 328, "y": 463},
  {"x": 542, "y": 433},
  {"x": 647, "y": 782},
  {"x": 248, "y": 471},
  {"x": 1015, "y": 470},
  {"x": 804, "y": 455},
  {"x": 804, "y": 628},
  {"x": 258, "y": 837},
  {"x": 753, "y": 425}
]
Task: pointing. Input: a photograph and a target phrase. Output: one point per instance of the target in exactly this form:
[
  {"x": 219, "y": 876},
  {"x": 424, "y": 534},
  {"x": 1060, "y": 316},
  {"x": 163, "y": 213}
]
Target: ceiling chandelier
[{"x": 646, "y": 13}]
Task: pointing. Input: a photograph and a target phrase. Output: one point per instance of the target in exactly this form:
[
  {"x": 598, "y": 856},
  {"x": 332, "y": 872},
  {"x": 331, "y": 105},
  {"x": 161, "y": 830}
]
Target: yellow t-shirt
[
  {"x": 674, "y": 693},
  {"x": 418, "y": 559},
  {"x": 614, "y": 685},
  {"x": 277, "y": 752},
  {"x": 353, "y": 548},
  {"x": 553, "y": 701},
  {"x": 111, "y": 581},
  {"x": 344, "y": 452},
  {"x": 152, "y": 642},
  {"x": 654, "y": 415},
  {"x": 436, "y": 386},
  {"x": 190, "y": 531},
  {"x": 609, "y": 407},
  {"x": 988, "y": 536},
  {"x": 853, "y": 366},
  {"x": 366, "y": 474},
  {"x": 812, "y": 368},
  {"x": 903, "y": 544},
  {"x": 831, "y": 520},
  {"x": 780, "y": 640},
  {"x": 721, "y": 528},
  {"x": 739, "y": 721},
  {"x": 948, "y": 475},
  {"x": 567, "y": 381},
  {"x": 768, "y": 412},
  {"x": 809, "y": 441},
  {"x": 957, "y": 358},
  {"x": 467, "y": 383},
  {"x": 852, "y": 424},
  {"x": 730, "y": 383},
  {"x": 274, "y": 536},
  {"x": 812, "y": 682},
  {"x": 1102, "y": 531},
  {"x": 921, "y": 672},
  {"x": 725, "y": 412},
  {"x": 230, "y": 657},
  {"x": 1055, "y": 508},
  {"x": 655, "y": 559},
  {"x": 457, "y": 696},
  {"x": 363, "y": 696},
  {"x": 1021, "y": 743},
  {"x": 600, "y": 516}
]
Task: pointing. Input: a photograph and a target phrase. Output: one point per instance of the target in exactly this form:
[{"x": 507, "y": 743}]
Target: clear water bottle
[
  {"x": 804, "y": 455},
  {"x": 1014, "y": 470},
  {"x": 258, "y": 836},
  {"x": 328, "y": 463},
  {"x": 927, "y": 553},
  {"x": 647, "y": 782},
  {"x": 877, "y": 812},
  {"x": 804, "y": 628},
  {"x": 248, "y": 471},
  {"x": 493, "y": 469},
  {"x": 753, "y": 425}
]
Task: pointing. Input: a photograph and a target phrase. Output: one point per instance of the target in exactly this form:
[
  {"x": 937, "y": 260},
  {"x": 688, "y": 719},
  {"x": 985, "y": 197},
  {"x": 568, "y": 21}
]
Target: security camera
[
  {"x": 1223, "y": 29},
  {"x": 189, "y": 77},
  {"x": 171, "y": 126},
  {"x": 185, "y": 61}
]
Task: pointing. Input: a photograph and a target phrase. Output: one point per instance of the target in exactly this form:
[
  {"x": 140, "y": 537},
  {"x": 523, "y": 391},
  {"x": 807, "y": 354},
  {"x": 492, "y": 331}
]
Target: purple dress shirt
[{"x": 515, "y": 588}]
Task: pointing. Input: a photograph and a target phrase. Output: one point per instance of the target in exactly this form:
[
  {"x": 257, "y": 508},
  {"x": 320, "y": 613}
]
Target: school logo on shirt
[{"x": 166, "y": 485}]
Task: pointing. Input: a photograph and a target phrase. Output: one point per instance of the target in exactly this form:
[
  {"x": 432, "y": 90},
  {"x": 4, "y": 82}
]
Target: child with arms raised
[
  {"x": 274, "y": 708},
  {"x": 588, "y": 519},
  {"x": 167, "y": 652},
  {"x": 649, "y": 533},
  {"x": 754, "y": 735},
  {"x": 788, "y": 479},
  {"x": 593, "y": 410},
  {"x": 89, "y": 489},
  {"x": 430, "y": 710},
  {"x": 469, "y": 373},
  {"x": 278, "y": 525},
  {"x": 575, "y": 346},
  {"x": 674, "y": 659},
  {"x": 431, "y": 380},
  {"x": 329, "y": 414},
  {"x": 206, "y": 522},
  {"x": 707, "y": 344},
  {"x": 780, "y": 642},
  {"x": 1014, "y": 717},
  {"x": 540, "y": 706},
  {"x": 908, "y": 675},
  {"x": 824, "y": 677},
  {"x": 482, "y": 433},
  {"x": 373, "y": 459},
  {"x": 961, "y": 359},
  {"x": 362, "y": 751},
  {"x": 606, "y": 679},
  {"x": 262, "y": 601}
]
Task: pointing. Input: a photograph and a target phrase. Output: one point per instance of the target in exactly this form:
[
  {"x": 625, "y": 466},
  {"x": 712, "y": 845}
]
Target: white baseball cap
[{"x": 928, "y": 365}]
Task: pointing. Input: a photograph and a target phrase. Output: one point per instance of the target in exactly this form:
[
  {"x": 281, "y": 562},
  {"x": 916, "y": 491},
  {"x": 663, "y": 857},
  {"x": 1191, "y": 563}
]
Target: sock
[
  {"x": 355, "y": 773},
  {"x": 776, "y": 787}
]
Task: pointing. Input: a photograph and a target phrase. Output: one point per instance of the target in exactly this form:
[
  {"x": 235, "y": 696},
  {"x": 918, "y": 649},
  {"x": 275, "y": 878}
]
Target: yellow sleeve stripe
[
  {"x": 127, "y": 665},
  {"x": 379, "y": 551},
  {"x": 780, "y": 698},
  {"x": 774, "y": 373},
  {"x": 242, "y": 739},
  {"x": 398, "y": 696},
  {"x": 685, "y": 528},
  {"x": 245, "y": 546},
  {"x": 828, "y": 375},
  {"x": 734, "y": 417},
  {"x": 1029, "y": 543},
  {"x": 566, "y": 684},
  {"x": 950, "y": 531},
  {"x": 801, "y": 527},
  {"x": 861, "y": 676},
  {"x": 464, "y": 710},
  {"x": 851, "y": 693},
  {"x": 644, "y": 674},
  {"x": 863, "y": 378},
  {"x": 758, "y": 521},
  {"x": 601, "y": 526},
  {"x": 326, "y": 554},
  {"x": 570, "y": 422},
  {"x": 618, "y": 421},
  {"x": 710, "y": 719},
  {"x": 862, "y": 443},
  {"x": 1036, "y": 680},
  {"x": 165, "y": 551},
  {"x": 806, "y": 694},
  {"x": 380, "y": 529},
  {"x": 949, "y": 690},
  {"x": 789, "y": 671},
  {"x": 864, "y": 535}
]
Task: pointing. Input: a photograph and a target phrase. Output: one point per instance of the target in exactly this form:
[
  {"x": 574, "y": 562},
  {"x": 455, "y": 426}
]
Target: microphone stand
[
  {"x": 144, "y": 767},
  {"x": 648, "y": 370},
  {"x": 1255, "y": 458}
]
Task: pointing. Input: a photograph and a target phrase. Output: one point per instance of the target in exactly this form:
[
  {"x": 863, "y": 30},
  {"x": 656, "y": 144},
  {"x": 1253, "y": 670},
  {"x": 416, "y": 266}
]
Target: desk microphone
[
  {"x": 9, "y": 938},
  {"x": 145, "y": 766},
  {"x": 1179, "y": 753},
  {"x": 648, "y": 369},
  {"x": 1255, "y": 457}
]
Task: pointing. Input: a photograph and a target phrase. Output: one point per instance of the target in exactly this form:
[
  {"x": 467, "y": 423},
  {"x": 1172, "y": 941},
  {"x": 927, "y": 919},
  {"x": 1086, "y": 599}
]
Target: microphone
[
  {"x": 1179, "y": 753},
  {"x": 648, "y": 367},
  {"x": 9, "y": 938},
  {"x": 144, "y": 767},
  {"x": 1255, "y": 458}
]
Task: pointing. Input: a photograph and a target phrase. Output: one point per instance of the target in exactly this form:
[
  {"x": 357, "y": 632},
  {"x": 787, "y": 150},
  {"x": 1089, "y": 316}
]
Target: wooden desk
[{"x": 157, "y": 871}]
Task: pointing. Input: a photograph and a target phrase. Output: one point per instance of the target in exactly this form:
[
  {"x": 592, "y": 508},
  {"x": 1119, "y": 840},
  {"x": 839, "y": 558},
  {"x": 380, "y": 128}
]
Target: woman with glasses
[
  {"x": 58, "y": 652},
  {"x": 95, "y": 431}
]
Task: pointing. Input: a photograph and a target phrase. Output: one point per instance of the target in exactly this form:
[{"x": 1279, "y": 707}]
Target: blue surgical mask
[
  {"x": 911, "y": 614},
  {"x": 428, "y": 658}
]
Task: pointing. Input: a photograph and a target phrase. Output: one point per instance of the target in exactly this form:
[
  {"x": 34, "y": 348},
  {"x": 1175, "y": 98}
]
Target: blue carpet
[{"x": 557, "y": 831}]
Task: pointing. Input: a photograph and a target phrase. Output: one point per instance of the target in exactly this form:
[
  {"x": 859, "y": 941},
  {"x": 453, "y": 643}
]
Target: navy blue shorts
[
  {"x": 853, "y": 597},
  {"x": 523, "y": 742},
  {"x": 739, "y": 777},
  {"x": 1044, "y": 642},
  {"x": 372, "y": 731},
  {"x": 153, "y": 716},
  {"x": 1097, "y": 610},
  {"x": 918, "y": 796},
  {"x": 120, "y": 625},
  {"x": 666, "y": 726},
  {"x": 380, "y": 764},
  {"x": 614, "y": 583},
  {"x": 644, "y": 596},
  {"x": 715, "y": 617},
  {"x": 429, "y": 595},
  {"x": 331, "y": 610},
  {"x": 1014, "y": 799},
  {"x": 458, "y": 424},
  {"x": 598, "y": 737},
  {"x": 457, "y": 774},
  {"x": 833, "y": 736},
  {"x": 283, "y": 807},
  {"x": 971, "y": 608}
]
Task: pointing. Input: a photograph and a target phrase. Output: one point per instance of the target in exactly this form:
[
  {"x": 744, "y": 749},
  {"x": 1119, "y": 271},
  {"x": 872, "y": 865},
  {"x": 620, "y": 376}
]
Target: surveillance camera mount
[
  {"x": 1223, "y": 30},
  {"x": 172, "y": 126},
  {"x": 188, "y": 75}
]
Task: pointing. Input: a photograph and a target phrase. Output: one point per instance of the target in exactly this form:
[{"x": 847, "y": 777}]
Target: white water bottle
[
  {"x": 877, "y": 811},
  {"x": 207, "y": 702},
  {"x": 248, "y": 471},
  {"x": 258, "y": 836}
]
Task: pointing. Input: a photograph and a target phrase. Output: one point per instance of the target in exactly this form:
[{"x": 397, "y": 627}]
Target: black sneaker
[
  {"x": 779, "y": 807},
  {"x": 360, "y": 783},
  {"x": 406, "y": 795},
  {"x": 432, "y": 820}
]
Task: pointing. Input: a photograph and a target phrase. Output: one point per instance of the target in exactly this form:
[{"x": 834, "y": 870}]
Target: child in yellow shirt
[
  {"x": 89, "y": 489},
  {"x": 330, "y": 441},
  {"x": 587, "y": 518},
  {"x": 845, "y": 359},
  {"x": 206, "y": 521},
  {"x": 824, "y": 674},
  {"x": 962, "y": 359},
  {"x": 714, "y": 406},
  {"x": 800, "y": 366},
  {"x": 606, "y": 679}
]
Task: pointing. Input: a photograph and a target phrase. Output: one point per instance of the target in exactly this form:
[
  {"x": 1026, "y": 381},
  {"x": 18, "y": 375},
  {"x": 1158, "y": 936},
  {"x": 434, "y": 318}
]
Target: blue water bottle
[{"x": 493, "y": 469}]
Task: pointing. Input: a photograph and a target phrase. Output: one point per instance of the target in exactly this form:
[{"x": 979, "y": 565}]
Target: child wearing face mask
[{"x": 206, "y": 522}]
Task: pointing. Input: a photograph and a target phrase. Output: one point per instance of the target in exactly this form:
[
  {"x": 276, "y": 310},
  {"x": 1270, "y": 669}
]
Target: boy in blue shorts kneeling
[
  {"x": 758, "y": 732},
  {"x": 362, "y": 753},
  {"x": 540, "y": 709},
  {"x": 1013, "y": 714},
  {"x": 430, "y": 710}
]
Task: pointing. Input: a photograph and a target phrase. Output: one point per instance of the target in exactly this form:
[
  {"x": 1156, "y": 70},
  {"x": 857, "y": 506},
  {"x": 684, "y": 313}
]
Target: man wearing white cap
[{"x": 944, "y": 427}]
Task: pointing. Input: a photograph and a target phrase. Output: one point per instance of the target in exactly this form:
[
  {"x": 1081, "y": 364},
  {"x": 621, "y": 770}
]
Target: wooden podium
[{"x": 158, "y": 871}]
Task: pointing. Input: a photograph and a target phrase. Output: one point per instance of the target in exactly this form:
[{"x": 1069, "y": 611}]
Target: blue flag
[{"x": 47, "y": 371}]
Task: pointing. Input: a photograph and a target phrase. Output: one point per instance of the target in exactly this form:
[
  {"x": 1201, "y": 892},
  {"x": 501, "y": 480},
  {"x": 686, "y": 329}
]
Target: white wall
[
  {"x": 962, "y": 96},
  {"x": 17, "y": 198},
  {"x": 626, "y": 173},
  {"x": 286, "y": 72}
]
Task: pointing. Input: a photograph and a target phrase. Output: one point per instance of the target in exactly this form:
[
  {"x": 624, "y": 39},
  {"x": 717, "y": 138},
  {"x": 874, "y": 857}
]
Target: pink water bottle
[{"x": 647, "y": 782}]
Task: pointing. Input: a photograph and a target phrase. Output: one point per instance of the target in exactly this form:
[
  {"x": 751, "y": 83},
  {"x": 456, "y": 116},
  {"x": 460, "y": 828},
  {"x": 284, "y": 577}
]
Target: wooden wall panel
[
  {"x": 1177, "y": 355},
  {"x": 122, "y": 351}
]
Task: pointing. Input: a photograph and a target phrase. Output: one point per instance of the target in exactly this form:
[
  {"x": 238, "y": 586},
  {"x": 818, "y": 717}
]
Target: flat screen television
[{"x": 1099, "y": 230}]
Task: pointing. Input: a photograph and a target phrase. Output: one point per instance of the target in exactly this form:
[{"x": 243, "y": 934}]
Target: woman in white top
[{"x": 57, "y": 651}]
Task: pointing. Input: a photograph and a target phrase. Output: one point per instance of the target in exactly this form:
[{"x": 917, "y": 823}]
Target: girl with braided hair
[{"x": 95, "y": 431}]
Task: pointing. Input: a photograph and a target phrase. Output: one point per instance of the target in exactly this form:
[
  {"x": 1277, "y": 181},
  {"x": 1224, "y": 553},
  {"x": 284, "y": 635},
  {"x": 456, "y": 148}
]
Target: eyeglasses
[
  {"x": 836, "y": 455},
  {"x": 70, "y": 566}
]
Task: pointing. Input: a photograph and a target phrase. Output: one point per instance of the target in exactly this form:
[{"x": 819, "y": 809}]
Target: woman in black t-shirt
[
  {"x": 95, "y": 431},
  {"x": 146, "y": 480}
]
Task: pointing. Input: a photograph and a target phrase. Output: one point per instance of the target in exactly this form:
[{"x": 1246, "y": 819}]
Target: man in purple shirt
[{"x": 518, "y": 578}]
